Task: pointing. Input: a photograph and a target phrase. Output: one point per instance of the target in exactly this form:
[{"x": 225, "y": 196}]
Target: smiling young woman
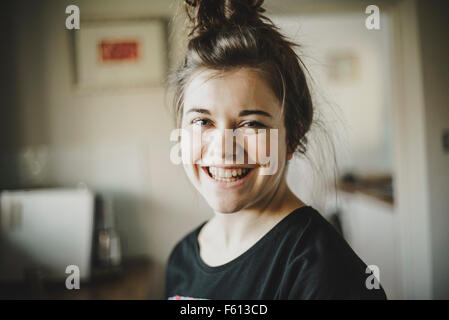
[{"x": 241, "y": 74}]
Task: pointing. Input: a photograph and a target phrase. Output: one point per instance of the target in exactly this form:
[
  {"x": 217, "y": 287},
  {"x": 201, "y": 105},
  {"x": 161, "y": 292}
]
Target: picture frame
[{"x": 120, "y": 53}]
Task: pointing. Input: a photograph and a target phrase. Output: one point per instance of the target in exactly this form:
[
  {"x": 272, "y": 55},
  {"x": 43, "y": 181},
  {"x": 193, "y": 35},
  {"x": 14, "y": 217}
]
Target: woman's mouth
[{"x": 227, "y": 174}]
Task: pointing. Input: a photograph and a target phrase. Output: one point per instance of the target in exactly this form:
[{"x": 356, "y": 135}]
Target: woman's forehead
[{"x": 235, "y": 89}]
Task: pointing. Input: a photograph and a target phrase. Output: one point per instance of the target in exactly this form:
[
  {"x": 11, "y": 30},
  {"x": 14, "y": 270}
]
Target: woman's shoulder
[
  {"x": 320, "y": 252},
  {"x": 186, "y": 245},
  {"x": 305, "y": 226},
  {"x": 309, "y": 226},
  {"x": 312, "y": 234}
]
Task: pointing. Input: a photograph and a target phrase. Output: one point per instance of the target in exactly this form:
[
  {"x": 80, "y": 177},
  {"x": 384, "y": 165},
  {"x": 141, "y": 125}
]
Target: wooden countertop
[{"x": 130, "y": 281}]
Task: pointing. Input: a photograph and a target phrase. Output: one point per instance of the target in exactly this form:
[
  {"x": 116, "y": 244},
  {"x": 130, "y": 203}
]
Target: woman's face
[{"x": 230, "y": 169}]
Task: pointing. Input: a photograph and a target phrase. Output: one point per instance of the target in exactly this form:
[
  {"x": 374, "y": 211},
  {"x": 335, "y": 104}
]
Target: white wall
[
  {"x": 421, "y": 166},
  {"x": 433, "y": 25}
]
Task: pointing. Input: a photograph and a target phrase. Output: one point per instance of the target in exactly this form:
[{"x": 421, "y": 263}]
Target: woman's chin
[{"x": 225, "y": 205}]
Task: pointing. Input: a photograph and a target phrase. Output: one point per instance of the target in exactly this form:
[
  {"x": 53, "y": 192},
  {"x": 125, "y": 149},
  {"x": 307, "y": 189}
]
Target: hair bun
[{"x": 206, "y": 15}]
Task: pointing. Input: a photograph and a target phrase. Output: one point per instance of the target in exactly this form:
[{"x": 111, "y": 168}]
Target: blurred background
[{"x": 85, "y": 173}]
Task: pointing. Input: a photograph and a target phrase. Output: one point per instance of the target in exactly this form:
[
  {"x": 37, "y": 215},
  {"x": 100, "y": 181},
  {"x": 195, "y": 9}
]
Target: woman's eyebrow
[
  {"x": 241, "y": 113},
  {"x": 250, "y": 112},
  {"x": 199, "y": 110}
]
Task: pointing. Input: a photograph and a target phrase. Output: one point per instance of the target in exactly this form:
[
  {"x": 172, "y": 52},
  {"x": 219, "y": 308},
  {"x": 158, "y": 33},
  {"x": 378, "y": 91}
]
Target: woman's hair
[{"x": 228, "y": 34}]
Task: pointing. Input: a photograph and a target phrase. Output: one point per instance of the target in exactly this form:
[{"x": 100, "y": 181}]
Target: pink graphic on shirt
[{"x": 177, "y": 297}]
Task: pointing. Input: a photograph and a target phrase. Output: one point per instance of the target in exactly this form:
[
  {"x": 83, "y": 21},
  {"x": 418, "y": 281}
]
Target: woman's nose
[{"x": 219, "y": 146}]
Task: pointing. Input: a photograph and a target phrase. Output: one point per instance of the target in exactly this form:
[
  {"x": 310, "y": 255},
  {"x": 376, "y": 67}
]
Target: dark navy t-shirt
[{"x": 302, "y": 257}]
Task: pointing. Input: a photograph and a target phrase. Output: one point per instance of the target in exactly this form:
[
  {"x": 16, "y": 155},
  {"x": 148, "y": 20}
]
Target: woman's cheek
[
  {"x": 191, "y": 146},
  {"x": 268, "y": 151},
  {"x": 191, "y": 155}
]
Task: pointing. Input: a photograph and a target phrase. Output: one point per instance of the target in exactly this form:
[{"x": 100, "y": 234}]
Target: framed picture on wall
[
  {"x": 120, "y": 54},
  {"x": 343, "y": 66}
]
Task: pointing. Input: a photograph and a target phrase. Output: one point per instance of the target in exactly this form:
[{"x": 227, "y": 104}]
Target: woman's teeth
[{"x": 228, "y": 175}]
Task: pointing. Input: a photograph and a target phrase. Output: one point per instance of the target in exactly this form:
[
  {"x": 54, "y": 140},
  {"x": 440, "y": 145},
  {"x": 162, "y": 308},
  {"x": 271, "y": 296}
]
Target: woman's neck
[{"x": 250, "y": 224}]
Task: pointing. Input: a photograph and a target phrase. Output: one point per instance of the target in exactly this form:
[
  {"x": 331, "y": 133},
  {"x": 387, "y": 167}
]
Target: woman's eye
[
  {"x": 201, "y": 122},
  {"x": 253, "y": 124}
]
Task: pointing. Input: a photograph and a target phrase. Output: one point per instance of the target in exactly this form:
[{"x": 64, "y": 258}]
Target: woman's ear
[{"x": 289, "y": 152}]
